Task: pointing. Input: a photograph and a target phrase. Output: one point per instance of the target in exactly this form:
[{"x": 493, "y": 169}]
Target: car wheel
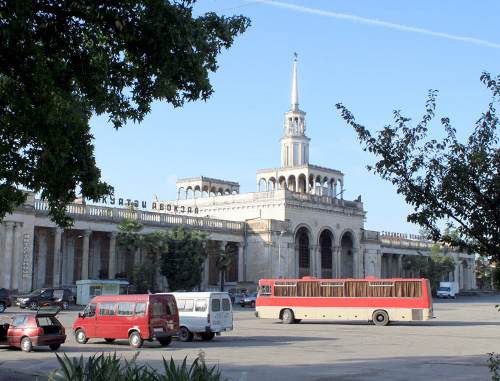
[
  {"x": 109, "y": 340},
  {"x": 80, "y": 336},
  {"x": 55, "y": 347},
  {"x": 33, "y": 305},
  {"x": 2, "y": 307},
  {"x": 26, "y": 344},
  {"x": 166, "y": 341},
  {"x": 207, "y": 336},
  {"x": 380, "y": 318},
  {"x": 252, "y": 304},
  {"x": 287, "y": 316},
  {"x": 242, "y": 304},
  {"x": 185, "y": 334},
  {"x": 65, "y": 304},
  {"x": 135, "y": 340}
]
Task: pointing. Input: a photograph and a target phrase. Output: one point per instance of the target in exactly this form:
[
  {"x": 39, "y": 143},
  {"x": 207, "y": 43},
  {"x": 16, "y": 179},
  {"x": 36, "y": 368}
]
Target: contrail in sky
[{"x": 381, "y": 23}]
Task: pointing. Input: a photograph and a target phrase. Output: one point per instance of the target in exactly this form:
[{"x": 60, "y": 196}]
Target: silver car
[{"x": 248, "y": 300}]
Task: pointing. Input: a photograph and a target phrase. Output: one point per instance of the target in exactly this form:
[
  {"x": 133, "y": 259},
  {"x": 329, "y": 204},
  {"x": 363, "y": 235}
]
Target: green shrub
[
  {"x": 197, "y": 372},
  {"x": 494, "y": 366},
  {"x": 109, "y": 368}
]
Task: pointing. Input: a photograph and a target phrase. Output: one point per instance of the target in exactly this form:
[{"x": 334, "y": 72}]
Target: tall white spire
[
  {"x": 295, "y": 93},
  {"x": 295, "y": 144}
]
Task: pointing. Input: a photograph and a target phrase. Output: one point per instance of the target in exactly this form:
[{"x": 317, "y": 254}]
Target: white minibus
[{"x": 203, "y": 314}]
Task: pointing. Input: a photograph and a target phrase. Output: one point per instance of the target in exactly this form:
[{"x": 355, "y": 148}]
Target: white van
[{"x": 203, "y": 314}]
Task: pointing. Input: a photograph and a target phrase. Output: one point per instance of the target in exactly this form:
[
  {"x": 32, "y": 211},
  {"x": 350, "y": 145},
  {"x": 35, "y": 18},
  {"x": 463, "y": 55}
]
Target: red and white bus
[{"x": 370, "y": 299}]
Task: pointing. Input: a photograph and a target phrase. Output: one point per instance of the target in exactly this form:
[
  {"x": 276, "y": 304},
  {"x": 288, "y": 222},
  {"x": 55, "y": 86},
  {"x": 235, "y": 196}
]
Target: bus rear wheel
[
  {"x": 380, "y": 318},
  {"x": 135, "y": 340},
  {"x": 287, "y": 316}
]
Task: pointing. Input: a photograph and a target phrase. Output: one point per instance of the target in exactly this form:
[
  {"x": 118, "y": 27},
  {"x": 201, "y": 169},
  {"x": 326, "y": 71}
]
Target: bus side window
[
  {"x": 201, "y": 305},
  {"x": 181, "y": 305},
  {"x": 140, "y": 309},
  {"x": 265, "y": 290},
  {"x": 107, "y": 309},
  {"x": 125, "y": 309}
]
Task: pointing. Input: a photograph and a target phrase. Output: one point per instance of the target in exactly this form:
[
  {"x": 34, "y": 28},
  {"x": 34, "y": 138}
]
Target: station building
[{"x": 296, "y": 224}]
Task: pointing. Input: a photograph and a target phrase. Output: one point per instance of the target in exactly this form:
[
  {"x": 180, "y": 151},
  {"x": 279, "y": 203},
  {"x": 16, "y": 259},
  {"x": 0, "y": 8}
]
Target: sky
[{"x": 372, "y": 56}]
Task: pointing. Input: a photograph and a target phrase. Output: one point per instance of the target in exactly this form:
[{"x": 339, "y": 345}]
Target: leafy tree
[
  {"x": 63, "y": 61},
  {"x": 484, "y": 270},
  {"x": 154, "y": 245},
  {"x": 182, "y": 262},
  {"x": 415, "y": 264},
  {"x": 439, "y": 266},
  {"x": 445, "y": 180},
  {"x": 143, "y": 275},
  {"x": 130, "y": 237},
  {"x": 224, "y": 258}
]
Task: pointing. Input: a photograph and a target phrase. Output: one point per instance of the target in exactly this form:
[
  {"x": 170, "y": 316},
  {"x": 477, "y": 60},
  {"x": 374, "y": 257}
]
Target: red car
[{"x": 26, "y": 330}]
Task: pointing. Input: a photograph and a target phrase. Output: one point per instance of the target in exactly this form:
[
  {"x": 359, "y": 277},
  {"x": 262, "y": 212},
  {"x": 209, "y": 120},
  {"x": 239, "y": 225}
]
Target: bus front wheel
[
  {"x": 380, "y": 318},
  {"x": 287, "y": 316}
]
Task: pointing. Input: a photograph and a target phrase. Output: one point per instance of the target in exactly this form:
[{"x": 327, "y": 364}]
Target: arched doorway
[
  {"x": 347, "y": 256},
  {"x": 302, "y": 242},
  {"x": 325, "y": 243}
]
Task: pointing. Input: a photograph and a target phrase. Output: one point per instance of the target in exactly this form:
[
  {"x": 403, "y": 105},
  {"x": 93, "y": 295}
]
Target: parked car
[
  {"x": 27, "y": 330},
  {"x": 4, "y": 299},
  {"x": 46, "y": 295},
  {"x": 249, "y": 300}
]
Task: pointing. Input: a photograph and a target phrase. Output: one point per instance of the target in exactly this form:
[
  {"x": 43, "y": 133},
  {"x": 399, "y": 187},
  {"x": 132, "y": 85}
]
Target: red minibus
[
  {"x": 133, "y": 317},
  {"x": 370, "y": 299}
]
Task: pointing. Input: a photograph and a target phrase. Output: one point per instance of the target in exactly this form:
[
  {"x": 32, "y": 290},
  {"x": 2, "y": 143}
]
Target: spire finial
[{"x": 295, "y": 94}]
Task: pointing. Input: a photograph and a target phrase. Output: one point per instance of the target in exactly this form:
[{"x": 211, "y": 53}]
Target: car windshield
[
  {"x": 443, "y": 289},
  {"x": 253, "y": 295},
  {"x": 36, "y": 292}
]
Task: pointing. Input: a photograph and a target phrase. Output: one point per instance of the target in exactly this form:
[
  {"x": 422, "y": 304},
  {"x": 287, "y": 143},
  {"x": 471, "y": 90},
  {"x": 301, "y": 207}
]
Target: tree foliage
[
  {"x": 63, "y": 61},
  {"x": 444, "y": 180},
  {"x": 182, "y": 262},
  {"x": 130, "y": 237},
  {"x": 143, "y": 275},
  {"x": 415, "y": 264},
  {"x": 224, "y": 258},
  {"x": 439, "y": 266}
]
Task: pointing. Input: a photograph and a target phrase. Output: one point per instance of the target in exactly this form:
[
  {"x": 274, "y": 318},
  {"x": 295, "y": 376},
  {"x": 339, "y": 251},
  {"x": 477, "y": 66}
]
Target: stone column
[
  {"x": 112, "y": 255},
  {"x": 85, "y": 254},
  {"x": 241, "y": 263},
  {"x": 56, "y": 270},
  {"x": 355, "y": 262},
  {"x": 399, "y": 273},
  {"x": 17, "y": 251},
  {"x": 317, "y": 261},
  {"x": 8, "y": 252},
  {"x": 70, "y": 260},
  {"x": 222, "y": 246},
  {"x": 137, "y": 256}
]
